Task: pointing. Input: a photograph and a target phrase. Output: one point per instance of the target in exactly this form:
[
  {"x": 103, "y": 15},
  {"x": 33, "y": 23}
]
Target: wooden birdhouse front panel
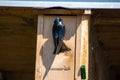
[{"x": 61, "y": 66}]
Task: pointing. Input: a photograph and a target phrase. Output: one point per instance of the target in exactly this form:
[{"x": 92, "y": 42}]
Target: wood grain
[
  {"x": 62, "y": 60},
  {"x": 78, "y": 48},
  {"x": 52, "y": 67},
  {"x": 84, "y": 56},
  {"x": 17, "y": 43},
  {"x": 38, "y": 70}
]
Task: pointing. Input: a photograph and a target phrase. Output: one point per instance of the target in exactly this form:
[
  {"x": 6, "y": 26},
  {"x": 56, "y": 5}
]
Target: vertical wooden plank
[
  {"x": 93, "y": 66},
  {"x": 38, "y": 70},
  {"x": 84, "y": 56},
  {"x": 78, "y": 47},
  {"x": 61, "y": 66}
]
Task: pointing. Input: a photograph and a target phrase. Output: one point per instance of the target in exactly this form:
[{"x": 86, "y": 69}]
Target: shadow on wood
[{"x": 50, "y": 61}]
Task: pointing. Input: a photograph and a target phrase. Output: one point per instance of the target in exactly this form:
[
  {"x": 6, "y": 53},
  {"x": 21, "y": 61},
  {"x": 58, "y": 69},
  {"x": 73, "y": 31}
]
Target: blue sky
[{"x": 70, "y": 0}]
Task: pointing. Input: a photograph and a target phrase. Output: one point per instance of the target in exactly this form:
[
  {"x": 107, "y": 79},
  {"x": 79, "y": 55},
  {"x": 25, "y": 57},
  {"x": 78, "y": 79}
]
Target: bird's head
[{"x": 57, "y": 20}]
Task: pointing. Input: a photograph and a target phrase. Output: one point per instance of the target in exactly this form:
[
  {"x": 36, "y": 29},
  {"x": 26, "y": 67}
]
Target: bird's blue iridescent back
[
  {"x": 61, "y": 31},
  {"x": 58, "y": 36},
  {"x": 58, "y": 30}
]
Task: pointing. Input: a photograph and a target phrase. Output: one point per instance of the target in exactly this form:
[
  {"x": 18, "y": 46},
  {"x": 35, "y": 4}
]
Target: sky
[{"x": 69, "y": 0}]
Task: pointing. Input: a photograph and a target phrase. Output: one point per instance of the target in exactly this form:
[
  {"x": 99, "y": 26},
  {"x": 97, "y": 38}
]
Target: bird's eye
[{"x": 60, "y": 19}]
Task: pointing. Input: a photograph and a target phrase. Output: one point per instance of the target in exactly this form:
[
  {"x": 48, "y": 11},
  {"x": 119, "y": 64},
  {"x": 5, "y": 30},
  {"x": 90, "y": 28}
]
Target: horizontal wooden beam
[
  {"x": 103, "y": 34},
  {"x": 111, "y": 38},
  {"x": 109, "y": 41},
  {"x": 106, "y": 28},
  {"x": 113, "y": 63},
  {"x": 112, "y": 51},
  {"x": 16, "y": 11},
  {"x": 106, "y": 13},
  {"x": 58, "y": 11},
  {"x": 115, "y": 69},
  {"x": 31, "y": 11},
  {"x": 20, "y": 68},
  {"x": 113, "y": 57},
  {"x": 106, "y": 21}
]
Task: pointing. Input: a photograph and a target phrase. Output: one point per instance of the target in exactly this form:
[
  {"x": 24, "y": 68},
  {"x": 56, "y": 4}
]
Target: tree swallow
[{"x": 58, "y": 31}]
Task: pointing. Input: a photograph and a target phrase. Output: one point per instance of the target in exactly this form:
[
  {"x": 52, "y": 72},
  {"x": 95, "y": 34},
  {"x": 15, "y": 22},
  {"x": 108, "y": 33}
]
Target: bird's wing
[
  {"x": 61, "y": 37},
  {"x": 59, "y": 46},
  {"x": 55, "y": 35}
]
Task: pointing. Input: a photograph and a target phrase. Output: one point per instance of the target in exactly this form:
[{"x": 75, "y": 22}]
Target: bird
[{"x": 58, "y": 32}]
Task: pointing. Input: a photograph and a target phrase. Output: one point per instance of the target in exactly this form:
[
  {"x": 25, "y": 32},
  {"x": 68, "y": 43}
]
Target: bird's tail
[
  {"x": 58, "y": 47},
  {"x": 61, "y": 48},
  {"x": 64, "y": 48}
]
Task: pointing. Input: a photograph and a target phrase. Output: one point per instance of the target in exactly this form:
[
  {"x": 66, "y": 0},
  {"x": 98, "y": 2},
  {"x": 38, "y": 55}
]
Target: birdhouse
[{"x": 64, "y": 65}]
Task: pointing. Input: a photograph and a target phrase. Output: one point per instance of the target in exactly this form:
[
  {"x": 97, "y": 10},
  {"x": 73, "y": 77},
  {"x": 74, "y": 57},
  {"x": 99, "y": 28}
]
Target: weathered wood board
[{"x": 63, "y": 65}]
